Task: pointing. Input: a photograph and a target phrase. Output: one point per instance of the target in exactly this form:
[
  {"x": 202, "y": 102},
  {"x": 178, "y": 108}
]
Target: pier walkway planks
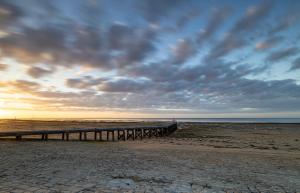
[{"x": 101, "y": 134}]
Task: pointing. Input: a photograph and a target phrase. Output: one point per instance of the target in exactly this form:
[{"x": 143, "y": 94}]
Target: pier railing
[{"x": 101, "y": 134}]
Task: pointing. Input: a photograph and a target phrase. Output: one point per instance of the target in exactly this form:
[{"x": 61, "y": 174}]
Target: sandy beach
[{"x": 198, "y": 157}]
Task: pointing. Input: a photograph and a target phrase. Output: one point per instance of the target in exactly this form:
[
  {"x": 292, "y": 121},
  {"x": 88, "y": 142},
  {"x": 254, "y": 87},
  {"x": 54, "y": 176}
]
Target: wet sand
[{"x": 206, "y": 157}]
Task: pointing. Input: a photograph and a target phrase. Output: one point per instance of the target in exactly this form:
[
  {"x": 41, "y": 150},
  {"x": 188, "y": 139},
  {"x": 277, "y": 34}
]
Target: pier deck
[{"x": 102, "y": 134}]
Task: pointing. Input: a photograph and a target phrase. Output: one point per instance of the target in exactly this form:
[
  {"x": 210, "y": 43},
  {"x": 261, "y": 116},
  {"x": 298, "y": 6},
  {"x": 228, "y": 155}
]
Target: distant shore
[{"x": 181, "y": 120}]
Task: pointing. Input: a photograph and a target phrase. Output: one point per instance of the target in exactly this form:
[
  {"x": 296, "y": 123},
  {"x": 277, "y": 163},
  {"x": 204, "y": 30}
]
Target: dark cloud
[
  {"x": 154, "y": 10},
  {"x": 215, "y": 85},
  {"x": 92, "y": 12},
  {"x": 187, "y": 18},
  {"x": 291, "y": 18},
  {"x": 226, "y": 46},
  {"x": 110, "y": 85},
  {"x": 34, "y": 45},
  {"x": 86, "y": 82},
  {"x": 218, "y": 17},
  {"x": 282, "y": 54},
  {"x": 80, "y": 45},
  {"x": 253, "y": 15},
  {"x": 141, "y": 46},
  {"x": 237, "y": 36},
  {"x": 134, "y": 44},
  {"x": 37, "y": 72},
  {"x": 269, "y": 43},
  {"x": 295, "y": 64},
  {"x": 183, "y": 50},
  {"x": 212, "y": 88},
  {"x": 9, "y": 13},
  {"x": 120, "y": 36},
  {"x": 125, "y": 85}
]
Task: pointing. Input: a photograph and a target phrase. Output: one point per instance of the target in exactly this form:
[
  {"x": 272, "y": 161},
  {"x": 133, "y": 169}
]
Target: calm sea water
[{"x": 234, "y": 120}]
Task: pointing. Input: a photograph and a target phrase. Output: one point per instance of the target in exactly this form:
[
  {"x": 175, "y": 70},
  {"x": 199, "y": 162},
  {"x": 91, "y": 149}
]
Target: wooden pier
[{"x": 99, "y": 134}]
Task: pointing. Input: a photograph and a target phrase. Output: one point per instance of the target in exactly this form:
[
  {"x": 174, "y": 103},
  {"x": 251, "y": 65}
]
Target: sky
[{"x": 149, "y": 58}]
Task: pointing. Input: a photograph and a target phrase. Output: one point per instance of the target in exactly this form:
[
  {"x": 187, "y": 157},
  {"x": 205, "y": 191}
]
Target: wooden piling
[
  {"x": 85, "y": 136},
  {"x": 100, "y": 137},
  {"x": 122, "y": 133}
]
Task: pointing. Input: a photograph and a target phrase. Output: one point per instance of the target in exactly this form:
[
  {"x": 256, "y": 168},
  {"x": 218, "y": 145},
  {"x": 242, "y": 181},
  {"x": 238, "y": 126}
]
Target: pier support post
[
  {"x": 138, "y": 133},
  {"x": 95, "y": 135},
  {"x": 124, "y": 136},
  {"x": 63, "y": 136},
  {"x": 130, "y": 134},
  {"x": 80, "y": 136},
  {"x": 100, "y": 137},
  {"x": 85, "y": 136},
  {"x": 67, "y": 136}
]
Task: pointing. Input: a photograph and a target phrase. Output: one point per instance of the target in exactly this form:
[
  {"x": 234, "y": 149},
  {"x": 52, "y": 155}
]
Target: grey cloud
[
  {"x": 211, "y": 84},
  {"x": 226, "y": 46},
  {"x": 295, "y": 64},
  {"x": 3, "y": 67},
  {"x": 292, "y": 17},
  {"x": 34, "y": 45},
  {"x": 120, "y": 36},
  {"x": 252, "y": 16},
  {"x": 269, "y": 43},
  {"x": 153, "y": 10},
  {"x": 109, "y": 85},
  {"x": 142, "y": 46},
  {"x": 37, "y": 72},
  {"x": 229, "y": 93},
  {"x": 25, "y": 85},
  {"x": 135, "y": 44},
  {"x": 183, "y": 50},
  {"x": 213, "y": 87},
  {"x": 217, "y": 84},
  {"x": 187, "y": 17},
  {"x": 83, "y": 46},
  {"x": 59, "y": 96},
  {"x": 218, "y": 17},
  {"x": 86, "y": 82},
  {"x": 236, "y": 37},
  {"x": 282, "y": 54},
  {"x": 92, "y": 12},
  {"x": 125, "y": 85},
  {"x": 88, "y": 39},
  {"x": 9, "y": 13}
]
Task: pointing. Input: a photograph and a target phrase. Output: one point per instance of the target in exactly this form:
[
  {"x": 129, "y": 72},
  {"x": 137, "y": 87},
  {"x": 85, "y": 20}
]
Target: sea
[{"x": 218, "y": 120}]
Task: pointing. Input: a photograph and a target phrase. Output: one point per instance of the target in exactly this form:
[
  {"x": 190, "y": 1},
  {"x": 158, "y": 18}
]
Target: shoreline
[{"x": 179, "y": 120}]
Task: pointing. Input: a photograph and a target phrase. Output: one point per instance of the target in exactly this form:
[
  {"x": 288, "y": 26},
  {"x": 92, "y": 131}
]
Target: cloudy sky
[{"x": 149, "y": 58}]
